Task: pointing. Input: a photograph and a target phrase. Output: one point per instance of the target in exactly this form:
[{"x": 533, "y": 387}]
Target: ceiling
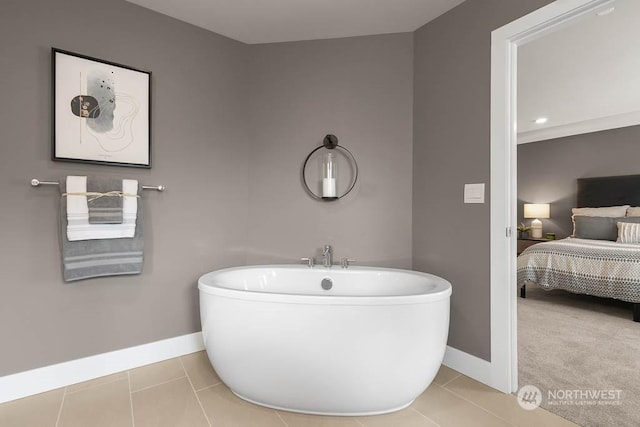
[
  {"x": 584, "y": 77},
  {"x": 269, "y": 21}
]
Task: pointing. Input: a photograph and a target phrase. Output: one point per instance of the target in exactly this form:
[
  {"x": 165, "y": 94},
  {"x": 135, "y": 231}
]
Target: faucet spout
[{"x": 327, "y": 256}]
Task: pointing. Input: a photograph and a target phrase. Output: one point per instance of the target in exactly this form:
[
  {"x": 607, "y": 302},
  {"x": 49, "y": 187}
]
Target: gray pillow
[{"x": 599, "y": 227}]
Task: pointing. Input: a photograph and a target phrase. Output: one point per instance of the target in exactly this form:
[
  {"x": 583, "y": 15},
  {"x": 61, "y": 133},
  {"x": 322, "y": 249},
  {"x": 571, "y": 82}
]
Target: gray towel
[
  {"x": 106, "y": 209},
  {"x": 85, "y": 259}
]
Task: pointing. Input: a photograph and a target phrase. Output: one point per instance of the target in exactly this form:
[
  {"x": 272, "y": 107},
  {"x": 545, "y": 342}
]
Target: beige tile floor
[{"x": 187, "y": 392}]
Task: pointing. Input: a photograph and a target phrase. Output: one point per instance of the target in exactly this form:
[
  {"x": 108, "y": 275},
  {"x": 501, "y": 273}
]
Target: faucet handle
[
  {"x": 308, "y": 261},
  {"x": 344, "y": 262}
]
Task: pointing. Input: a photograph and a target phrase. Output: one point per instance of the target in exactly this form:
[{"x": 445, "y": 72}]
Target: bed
[{"x": 597, "y": 266}]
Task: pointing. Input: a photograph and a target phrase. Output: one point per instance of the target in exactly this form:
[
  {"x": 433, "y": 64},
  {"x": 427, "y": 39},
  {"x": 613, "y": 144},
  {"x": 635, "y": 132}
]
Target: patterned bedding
[{"x": 594, "y": 267}]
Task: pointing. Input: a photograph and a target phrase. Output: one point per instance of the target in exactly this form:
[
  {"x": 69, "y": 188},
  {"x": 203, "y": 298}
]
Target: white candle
[
  {"x": 329, "y": 175},
  {"x": 328, "y": 187}
]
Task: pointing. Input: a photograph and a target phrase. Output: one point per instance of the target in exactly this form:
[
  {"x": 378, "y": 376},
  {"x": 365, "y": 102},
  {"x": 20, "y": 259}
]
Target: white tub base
[
  {"x": 328, "y": 414},
  {"x": 370, "y": 345}
]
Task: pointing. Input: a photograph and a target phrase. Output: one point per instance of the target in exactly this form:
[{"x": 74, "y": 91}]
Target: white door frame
[{"x": 504, "y": 45}]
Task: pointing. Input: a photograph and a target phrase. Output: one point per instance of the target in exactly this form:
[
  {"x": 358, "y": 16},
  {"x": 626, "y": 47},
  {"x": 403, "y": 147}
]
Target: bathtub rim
[{"x": 442, "y": 293}]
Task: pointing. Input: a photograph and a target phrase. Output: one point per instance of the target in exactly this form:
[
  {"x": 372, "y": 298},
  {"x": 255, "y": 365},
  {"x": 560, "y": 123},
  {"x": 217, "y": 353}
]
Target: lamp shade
[{"x": 536, "y": 210}]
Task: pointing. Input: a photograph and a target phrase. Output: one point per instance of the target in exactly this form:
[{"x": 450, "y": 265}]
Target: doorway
[{"x": 505, "y": 42}]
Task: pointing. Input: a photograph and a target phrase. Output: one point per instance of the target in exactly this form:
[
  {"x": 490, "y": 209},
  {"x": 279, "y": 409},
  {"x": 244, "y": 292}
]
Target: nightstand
[{"x": 529, "y": 241}]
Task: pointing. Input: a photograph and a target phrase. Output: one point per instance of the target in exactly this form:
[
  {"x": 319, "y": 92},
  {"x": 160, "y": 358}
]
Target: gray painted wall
[
  {"x": 452, "y": 56},
  {"x": 548, "y": 170},
  {"x": 231, "y": 126},
  {"x": 199, "y": 153},
  {"x": 360, "y": 89}
]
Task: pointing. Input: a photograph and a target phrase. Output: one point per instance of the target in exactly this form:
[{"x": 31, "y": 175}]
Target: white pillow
[
  {"x": 633, "y": 211},
  {"x": 628, "y": 232},
  {"x": 611, "y": 211}
]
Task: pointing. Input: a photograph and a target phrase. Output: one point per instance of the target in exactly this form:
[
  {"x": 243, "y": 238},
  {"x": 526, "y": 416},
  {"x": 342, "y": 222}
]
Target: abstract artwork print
[{"x": 101, "y": 111}]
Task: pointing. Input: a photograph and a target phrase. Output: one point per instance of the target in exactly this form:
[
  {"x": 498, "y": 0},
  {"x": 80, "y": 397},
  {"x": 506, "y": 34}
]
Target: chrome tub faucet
[
  {"x": 308, "y": 261},
  {"x": 344, "y": 262},
  {"x": 326, "y": 256}
]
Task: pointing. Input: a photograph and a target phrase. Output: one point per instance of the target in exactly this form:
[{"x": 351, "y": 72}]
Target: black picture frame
[{"x": 101, "y": 111}]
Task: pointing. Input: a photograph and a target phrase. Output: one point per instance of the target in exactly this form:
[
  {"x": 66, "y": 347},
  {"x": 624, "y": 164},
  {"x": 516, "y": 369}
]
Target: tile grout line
[
  {"x": 206, "y": 417},
  {"x": 133, "y": 419},
  {"x": 424, "y": 416},
  {"x": 156, "y": 385},
  {"x": 281, "y": 419},
  {"x": 451, "y": 380},
  {"x": 209, "y": 386},
  {"x": 95, "y": 385},
  {"x": 478, "y": 406},
  {"x": 64, "y": 394}
]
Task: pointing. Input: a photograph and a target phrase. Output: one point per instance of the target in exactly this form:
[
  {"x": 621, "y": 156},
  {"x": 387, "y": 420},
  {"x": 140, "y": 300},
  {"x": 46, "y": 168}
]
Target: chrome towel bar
[{"x": 36, "y": 183}]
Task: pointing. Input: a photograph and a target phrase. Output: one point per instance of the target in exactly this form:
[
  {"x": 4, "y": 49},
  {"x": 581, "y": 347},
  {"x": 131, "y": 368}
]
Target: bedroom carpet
[{"x": 573, "y": 345}]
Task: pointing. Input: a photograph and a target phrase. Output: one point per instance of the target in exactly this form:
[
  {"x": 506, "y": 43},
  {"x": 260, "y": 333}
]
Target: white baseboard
[
  {"x": 23, "y": 384},
  {"x": 469, "y": 365},
  {"x": 39, "y": 380}
]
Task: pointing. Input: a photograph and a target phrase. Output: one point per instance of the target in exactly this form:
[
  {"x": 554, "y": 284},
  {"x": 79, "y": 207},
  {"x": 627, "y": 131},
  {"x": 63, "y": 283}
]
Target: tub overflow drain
[{"x": 326, "y": 284}]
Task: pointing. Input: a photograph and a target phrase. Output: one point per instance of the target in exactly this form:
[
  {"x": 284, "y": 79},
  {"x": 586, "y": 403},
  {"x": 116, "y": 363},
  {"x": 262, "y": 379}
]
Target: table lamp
[{"x": 536, "y": 211}]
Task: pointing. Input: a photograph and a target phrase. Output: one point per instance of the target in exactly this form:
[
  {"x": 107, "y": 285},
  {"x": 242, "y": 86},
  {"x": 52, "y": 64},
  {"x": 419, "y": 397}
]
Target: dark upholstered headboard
[{"x": 609, "y": 191}]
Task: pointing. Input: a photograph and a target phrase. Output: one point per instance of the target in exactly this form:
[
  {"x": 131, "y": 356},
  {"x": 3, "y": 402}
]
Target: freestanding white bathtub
[{"x": 370, "y": 344}]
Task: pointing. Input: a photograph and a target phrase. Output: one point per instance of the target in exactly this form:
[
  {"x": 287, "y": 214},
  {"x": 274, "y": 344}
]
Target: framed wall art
[{"x": 101, "y": 111}]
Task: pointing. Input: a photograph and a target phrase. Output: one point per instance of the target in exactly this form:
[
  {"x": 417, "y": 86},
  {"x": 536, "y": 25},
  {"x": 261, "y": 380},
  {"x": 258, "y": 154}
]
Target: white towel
[
  {"x": 78, "y": 227},
  {"x": 77, "y": 205}
]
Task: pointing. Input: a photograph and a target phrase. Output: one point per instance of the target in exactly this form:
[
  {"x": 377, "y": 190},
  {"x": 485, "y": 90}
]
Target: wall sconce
[
  {"x": 536, "y": 211},
  {"x": 330, "y": 170}
]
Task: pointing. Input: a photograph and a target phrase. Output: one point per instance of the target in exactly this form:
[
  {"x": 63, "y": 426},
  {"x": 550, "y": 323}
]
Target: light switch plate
[{"x": 474, "y": 193}]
